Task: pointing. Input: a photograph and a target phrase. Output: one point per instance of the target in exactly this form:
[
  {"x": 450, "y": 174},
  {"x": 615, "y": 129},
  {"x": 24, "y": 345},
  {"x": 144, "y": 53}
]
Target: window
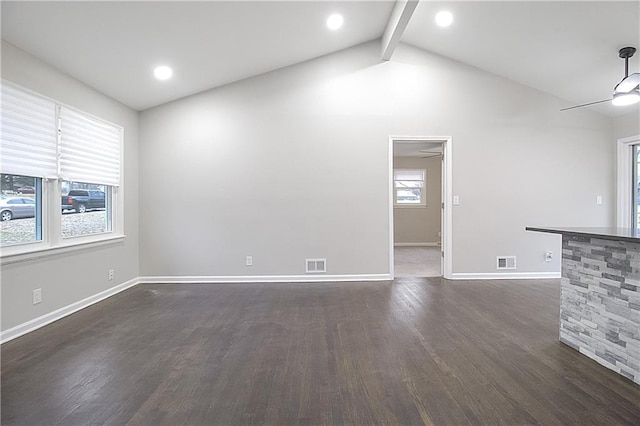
[
  {"x": 627, "y": 194},
  {"x": 89, "y": 152},
  {"x": 86, "y": 209},
  {"x": 52, "y": 152},
  {"x": 20, "y": 209},
  {"x": 409, "y": 187}
]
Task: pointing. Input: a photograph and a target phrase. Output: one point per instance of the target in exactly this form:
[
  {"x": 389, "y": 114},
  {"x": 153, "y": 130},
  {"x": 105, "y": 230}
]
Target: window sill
[
  {"x": 24, "y": 254},
  {"x": 409, "y": 206}
]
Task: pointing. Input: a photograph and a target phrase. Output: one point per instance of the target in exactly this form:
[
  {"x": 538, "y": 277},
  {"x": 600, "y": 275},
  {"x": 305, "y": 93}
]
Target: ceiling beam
[{"x": 398, "y": 21}]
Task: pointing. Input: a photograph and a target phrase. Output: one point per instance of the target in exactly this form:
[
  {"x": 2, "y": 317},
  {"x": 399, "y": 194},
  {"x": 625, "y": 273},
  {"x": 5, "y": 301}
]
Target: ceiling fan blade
[
  {"x": 584, "y": 105},
  {"x": 628, "y": 83}
]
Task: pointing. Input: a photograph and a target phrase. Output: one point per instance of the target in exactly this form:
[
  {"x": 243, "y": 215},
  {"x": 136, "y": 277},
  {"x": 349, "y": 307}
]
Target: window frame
[
  {"x": 423, "y": 189},
  {"x": 635, "y": 152},
  {"x": 624, "y": 184},
  {"x": 52, "y": 241}
]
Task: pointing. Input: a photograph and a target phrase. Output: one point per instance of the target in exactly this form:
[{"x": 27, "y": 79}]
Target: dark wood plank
[{"x": 413, "y": 351}]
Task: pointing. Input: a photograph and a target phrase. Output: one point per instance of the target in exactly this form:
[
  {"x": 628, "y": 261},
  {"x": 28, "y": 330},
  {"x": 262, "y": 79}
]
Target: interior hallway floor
[{"x": 417, "y": 261}]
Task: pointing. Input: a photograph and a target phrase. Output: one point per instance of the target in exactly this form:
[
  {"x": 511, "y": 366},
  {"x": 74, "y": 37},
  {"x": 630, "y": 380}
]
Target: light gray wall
[
  {"x": 420, "y": 224},
  {"x": 70, "y": 277},
  {"x": 627, "y": 125},
  {"x": 294, "y": 164}
]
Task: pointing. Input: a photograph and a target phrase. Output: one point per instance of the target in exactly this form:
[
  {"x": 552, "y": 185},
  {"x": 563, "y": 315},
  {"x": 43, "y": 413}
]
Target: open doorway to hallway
[
  {"x": 417, "y": 197},
  {"x": 414, "y": 261}
]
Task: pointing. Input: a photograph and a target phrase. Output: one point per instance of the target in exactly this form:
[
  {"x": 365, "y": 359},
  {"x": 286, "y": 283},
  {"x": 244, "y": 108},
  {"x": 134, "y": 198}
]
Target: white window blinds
[
  {"x": 414, "y": 175},
  {"x": 28, "y": 127},
  {"x": 89, "y": 149}
]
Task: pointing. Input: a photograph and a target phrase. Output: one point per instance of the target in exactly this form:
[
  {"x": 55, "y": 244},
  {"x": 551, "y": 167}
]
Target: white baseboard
[
  {"x": 437, "y": 244},
  {"x": 43, "y": 320},
  {"x": 505, "y": 276},
  {"x": 261, "y": 279}
]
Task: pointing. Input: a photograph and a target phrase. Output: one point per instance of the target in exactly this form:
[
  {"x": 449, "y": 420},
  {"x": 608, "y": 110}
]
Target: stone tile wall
[{"x": 600, "y": 301}]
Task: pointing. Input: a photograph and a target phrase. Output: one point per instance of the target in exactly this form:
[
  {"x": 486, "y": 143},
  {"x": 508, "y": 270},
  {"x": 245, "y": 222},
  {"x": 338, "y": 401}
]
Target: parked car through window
[{"x": 16, "y": 208}]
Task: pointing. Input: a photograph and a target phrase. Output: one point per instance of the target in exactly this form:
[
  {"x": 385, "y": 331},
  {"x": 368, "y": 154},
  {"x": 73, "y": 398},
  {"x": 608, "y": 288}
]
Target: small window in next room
[{"x": 409, "y": 187}]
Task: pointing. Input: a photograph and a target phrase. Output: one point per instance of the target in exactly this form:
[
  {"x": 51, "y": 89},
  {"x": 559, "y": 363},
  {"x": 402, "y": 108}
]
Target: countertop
[{"x": 617, "y": 234}]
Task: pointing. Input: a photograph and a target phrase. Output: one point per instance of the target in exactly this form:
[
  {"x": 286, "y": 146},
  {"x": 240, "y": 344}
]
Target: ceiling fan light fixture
[
  {"x": 627, "y": 92},
  {"x": 630, "y": 98}
]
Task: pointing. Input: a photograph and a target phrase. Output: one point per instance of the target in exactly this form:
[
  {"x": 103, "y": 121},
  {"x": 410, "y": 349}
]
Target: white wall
[
  {"x": 627, "y": 125},
  {"x": 420, "y": 224},
  {"x": 294, "y": 164},
  {"x": 71, "y": 277}
]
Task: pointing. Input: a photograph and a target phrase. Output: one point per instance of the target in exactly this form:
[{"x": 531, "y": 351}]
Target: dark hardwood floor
[{"x": 414, "y": 351}]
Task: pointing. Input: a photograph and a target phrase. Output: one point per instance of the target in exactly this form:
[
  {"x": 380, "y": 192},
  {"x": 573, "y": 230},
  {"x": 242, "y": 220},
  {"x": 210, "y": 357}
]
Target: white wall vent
[
  {"x": 506, "y": 262},
  {"x": 315, "y": 266}
]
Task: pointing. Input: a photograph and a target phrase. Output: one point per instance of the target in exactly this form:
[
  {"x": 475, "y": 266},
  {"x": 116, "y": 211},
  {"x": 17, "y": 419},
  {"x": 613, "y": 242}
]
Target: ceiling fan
[
  {"x": 626, "y": 92},
  {"x": 430, "y": 153}
]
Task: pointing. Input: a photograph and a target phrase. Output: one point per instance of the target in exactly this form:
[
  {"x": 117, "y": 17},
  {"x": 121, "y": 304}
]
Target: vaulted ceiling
[{"x": 568, "y": 49}]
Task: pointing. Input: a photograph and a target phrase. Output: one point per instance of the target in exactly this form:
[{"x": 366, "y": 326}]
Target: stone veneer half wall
[{"x": 600, "y": 301}]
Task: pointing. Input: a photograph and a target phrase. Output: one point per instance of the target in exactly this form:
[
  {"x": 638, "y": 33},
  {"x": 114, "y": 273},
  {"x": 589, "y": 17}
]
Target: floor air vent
[
  {"x": 506, "y": 262},
  {"x": 315, "y": 266}
]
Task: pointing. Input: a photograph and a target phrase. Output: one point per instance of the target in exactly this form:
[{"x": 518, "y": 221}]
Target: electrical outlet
[
  {"x": 37, "y": 296},
  {"x": 548, "y": 256},
  {"x": 110, "y": 274},
  {"x": 249, "y": 261}
]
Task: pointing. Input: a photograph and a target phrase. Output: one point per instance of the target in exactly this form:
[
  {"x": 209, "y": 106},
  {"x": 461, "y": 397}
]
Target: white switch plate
[
  {"x": 599, "y": 200},
  {"x": 249, "y": 261},
  {"x": 456, "y": 200},
  {"x": 37, "y": 296}
]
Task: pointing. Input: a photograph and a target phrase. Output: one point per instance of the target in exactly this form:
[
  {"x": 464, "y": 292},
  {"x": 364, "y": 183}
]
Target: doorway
[{"x": 419, "y": 210}]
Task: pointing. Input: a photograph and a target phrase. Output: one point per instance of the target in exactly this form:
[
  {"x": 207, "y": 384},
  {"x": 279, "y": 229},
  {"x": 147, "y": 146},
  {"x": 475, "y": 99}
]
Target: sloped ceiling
[
  {"x": 114, "y": 46},
  {"x": 568, "y": 49}
]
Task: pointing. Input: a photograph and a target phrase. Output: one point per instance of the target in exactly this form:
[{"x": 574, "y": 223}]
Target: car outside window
[{"x": 20, "y": 216}]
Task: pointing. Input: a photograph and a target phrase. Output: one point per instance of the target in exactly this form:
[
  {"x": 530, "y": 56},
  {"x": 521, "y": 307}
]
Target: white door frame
[
  {"x": 447, "y": 196},
  {"x": 624, "y": 180}
]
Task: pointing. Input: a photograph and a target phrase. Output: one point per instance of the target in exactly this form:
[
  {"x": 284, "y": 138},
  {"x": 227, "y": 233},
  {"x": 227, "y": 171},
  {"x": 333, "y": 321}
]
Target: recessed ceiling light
[
  {"x": 163, "y": 72},
  {"x": 444, "y": 18},
  {"x": 335, "y": 21}
]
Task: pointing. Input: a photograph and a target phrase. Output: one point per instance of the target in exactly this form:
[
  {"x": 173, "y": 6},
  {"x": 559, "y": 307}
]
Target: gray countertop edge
[{"x": 615, "y": 234}]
